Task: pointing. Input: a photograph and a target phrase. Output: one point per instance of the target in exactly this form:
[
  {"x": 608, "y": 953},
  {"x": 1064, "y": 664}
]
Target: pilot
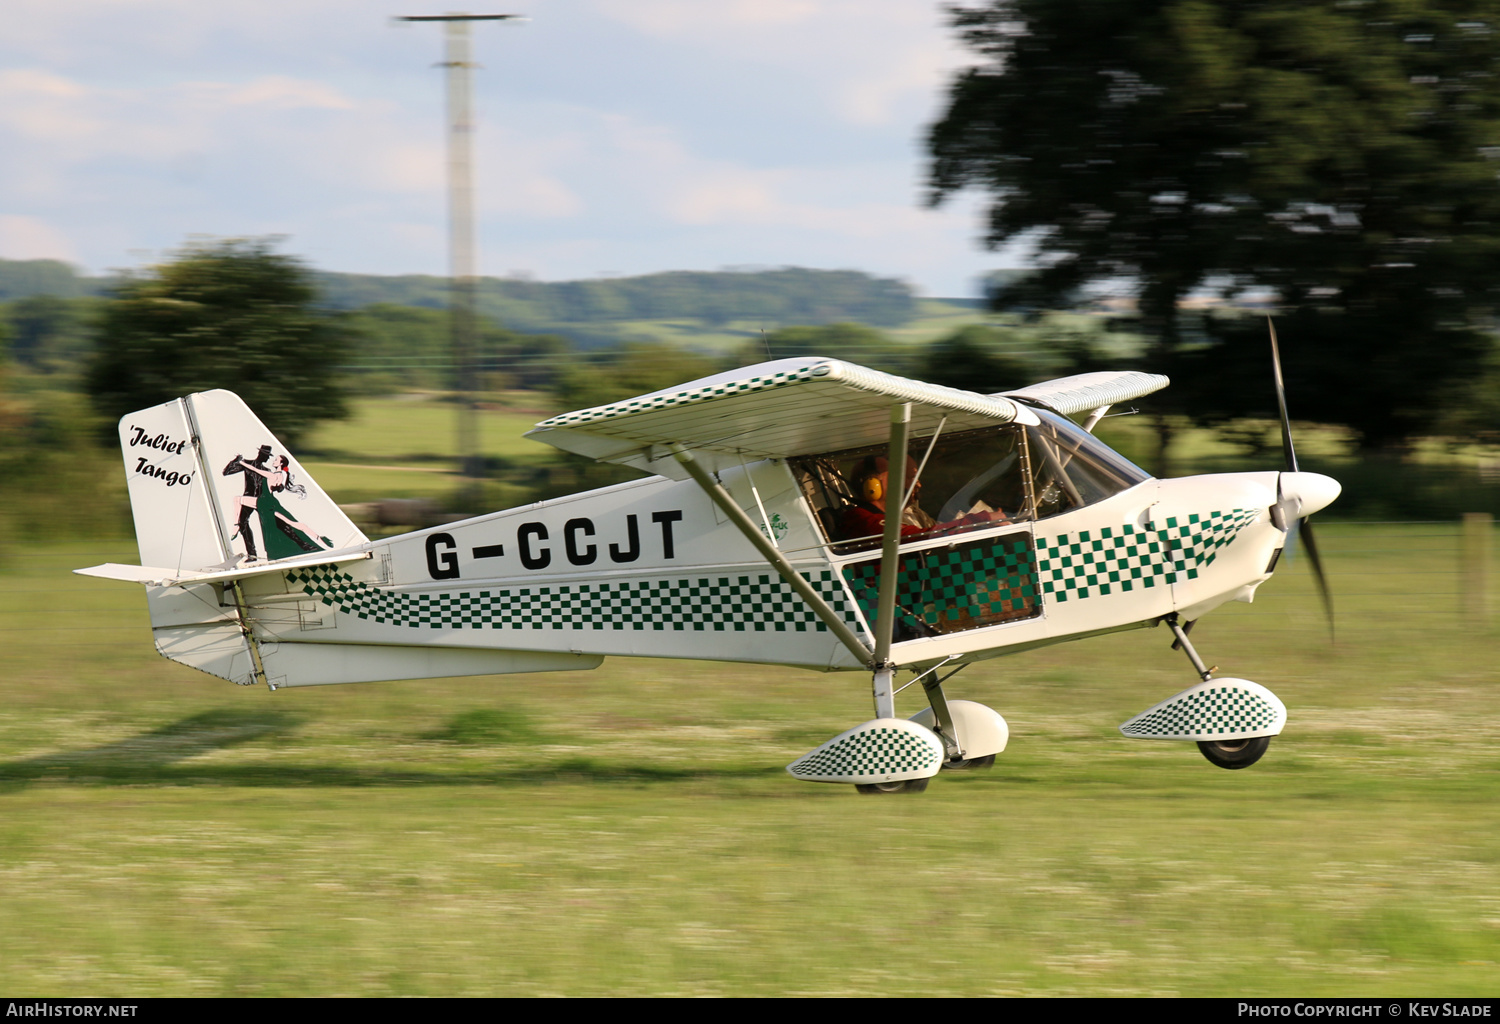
[{"x": 866, "y": 517}]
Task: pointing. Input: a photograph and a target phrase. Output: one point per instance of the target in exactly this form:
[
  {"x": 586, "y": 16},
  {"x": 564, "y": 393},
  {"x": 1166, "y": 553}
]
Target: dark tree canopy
[
  {"x": 968, "y": 359},
  {"x": 635, "y": 368},
  {"x": 856, "y": 343},
  {"x": 1342, "y": 156},
  {"x": 48, "y": 333},
  {"x": 405, "y": 347},
  {"x": 225, "y": 314}
]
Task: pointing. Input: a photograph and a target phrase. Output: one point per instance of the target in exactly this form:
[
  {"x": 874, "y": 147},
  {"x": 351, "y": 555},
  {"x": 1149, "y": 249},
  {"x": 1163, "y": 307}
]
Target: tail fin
[{"x": 210, "y": 487}]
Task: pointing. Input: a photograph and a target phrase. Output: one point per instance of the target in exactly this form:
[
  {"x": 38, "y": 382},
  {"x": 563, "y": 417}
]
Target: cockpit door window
[{"x": 972, "y": 480}]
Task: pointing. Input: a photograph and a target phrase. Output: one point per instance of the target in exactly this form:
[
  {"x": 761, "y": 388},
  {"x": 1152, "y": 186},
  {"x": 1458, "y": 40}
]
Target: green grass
[
  {"x": 403, "y": 446},
  {"x": 629, "y": 831},
  {"x": 419, "y": 428}
]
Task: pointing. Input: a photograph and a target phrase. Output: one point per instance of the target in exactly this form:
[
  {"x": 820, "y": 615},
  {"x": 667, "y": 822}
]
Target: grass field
[
  {"x": 402, "y": 446},
  {"x": 400, "y": 428},
  {"x": 630, "y": 832}
]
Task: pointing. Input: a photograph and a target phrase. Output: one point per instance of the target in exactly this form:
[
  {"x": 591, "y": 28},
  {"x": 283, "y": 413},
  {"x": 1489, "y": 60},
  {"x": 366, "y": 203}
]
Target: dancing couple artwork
[{"x": 267, "y": 480}]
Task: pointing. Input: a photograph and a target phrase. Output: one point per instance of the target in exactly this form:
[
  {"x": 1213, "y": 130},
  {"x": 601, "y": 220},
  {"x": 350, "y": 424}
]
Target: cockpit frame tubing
[{"x": 917, "y": 479}]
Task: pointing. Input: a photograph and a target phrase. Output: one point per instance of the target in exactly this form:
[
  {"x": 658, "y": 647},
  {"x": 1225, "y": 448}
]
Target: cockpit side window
[{"x": 969, "y": 481}]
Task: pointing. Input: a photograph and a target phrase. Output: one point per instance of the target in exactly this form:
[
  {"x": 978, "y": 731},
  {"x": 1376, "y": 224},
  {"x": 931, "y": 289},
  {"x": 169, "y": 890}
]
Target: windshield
[{"x": 1073, "y": 468}]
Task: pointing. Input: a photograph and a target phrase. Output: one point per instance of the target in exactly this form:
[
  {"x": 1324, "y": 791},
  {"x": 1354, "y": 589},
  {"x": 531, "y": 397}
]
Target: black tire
[
  {"x": 970, "y": 763},
  {"x": 909, "y": 786},
  {"x": 1235, "y": 754}
]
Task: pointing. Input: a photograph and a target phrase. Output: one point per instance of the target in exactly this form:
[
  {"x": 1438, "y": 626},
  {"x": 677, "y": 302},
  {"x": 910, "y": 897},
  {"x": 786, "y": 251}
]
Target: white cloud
[
  {"x": 29, "y": 238},
  {"x": 919, "y": 72},
  {"x": 43, "y": 105},
  {"x": 281, "y": 93},
  {"x": 694, "y": 18}
]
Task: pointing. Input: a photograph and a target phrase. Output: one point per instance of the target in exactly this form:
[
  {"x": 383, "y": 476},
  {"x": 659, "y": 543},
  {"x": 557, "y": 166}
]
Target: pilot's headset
[{"x": 871, "y": 487}]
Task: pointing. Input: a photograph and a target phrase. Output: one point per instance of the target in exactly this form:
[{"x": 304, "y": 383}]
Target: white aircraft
[{"x": 761, "y": 536}]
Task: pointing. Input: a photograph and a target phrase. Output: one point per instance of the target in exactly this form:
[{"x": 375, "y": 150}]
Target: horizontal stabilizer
[
  {"x": 1086, "y": 392},
  {"x": 155, "y": 576},
  {"x": 779, "y": 409}
]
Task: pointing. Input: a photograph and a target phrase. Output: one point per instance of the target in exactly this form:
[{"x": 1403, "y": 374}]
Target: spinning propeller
[{"x": 1299, "y": 494}]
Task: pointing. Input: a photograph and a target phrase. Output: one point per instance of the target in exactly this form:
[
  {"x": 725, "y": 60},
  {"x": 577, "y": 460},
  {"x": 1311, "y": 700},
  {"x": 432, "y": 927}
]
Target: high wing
[
  {"x": 1089, "y": 392},
  {"x": 778, "y": 409}
]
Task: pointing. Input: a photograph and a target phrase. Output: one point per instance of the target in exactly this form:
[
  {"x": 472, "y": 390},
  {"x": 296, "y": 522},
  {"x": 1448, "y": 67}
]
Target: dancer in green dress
[{"x": 284, "y": 535}]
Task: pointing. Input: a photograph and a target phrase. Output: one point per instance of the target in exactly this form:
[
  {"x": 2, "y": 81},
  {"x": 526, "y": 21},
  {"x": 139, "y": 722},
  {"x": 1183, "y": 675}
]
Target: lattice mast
[{"x": 462, "y": 263}]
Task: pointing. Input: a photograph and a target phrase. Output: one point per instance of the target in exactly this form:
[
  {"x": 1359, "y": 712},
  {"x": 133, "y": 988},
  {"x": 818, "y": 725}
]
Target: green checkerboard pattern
[
  {"x": 761, "y": 603},
  {"x": 948, "y": 589},
  {"x": 871, "y": 753},
  {"x": 1119, "y": 559},
  {"x": 736, "y": 387},
  {"x": 1209, "y": 712}
]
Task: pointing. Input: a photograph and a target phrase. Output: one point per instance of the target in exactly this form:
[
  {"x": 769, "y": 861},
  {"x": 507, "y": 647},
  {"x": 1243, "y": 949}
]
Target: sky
[{"x": 613, "y": 137}]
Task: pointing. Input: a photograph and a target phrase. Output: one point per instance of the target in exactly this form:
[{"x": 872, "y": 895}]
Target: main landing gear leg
[
  {"x": 947, "y": 730},
  {"x": 885, "y": 691},
  {"x": 944, "y": 717}
]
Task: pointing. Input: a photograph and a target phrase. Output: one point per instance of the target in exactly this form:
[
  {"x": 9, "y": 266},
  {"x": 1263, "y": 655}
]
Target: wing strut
[
  {"x": 890, "y": 563},
  {"x": 778, "y": 561}
]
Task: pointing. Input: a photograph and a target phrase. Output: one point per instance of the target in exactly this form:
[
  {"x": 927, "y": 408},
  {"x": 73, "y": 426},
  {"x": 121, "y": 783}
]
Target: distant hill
[
  {"x": 788, "y": 295},
  {"x": 20, "y": 279}
]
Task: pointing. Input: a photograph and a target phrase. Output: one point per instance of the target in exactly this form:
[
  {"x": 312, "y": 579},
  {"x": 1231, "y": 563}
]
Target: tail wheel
[
  {"x": 909, "y": 786},
  {"x": 1234, "y": 754}
]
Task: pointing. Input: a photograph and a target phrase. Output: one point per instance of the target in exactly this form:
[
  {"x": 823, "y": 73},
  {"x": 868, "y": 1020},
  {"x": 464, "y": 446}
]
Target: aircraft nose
[{"x": 1314, "y": 490}]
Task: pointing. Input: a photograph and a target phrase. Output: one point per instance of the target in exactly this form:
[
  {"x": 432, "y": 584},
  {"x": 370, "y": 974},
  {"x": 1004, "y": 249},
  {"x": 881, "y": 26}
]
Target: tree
[
  {"x": 48, "y": 333},
  {"x": 223, "y": 314},
  {"x": 634, "y": 368},
  {"x": 971, "y": 359},
  {"x": 21, "y": 278},
  {"x": 1340, "y": 156},
  {"x": 855, "y": 343}
]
